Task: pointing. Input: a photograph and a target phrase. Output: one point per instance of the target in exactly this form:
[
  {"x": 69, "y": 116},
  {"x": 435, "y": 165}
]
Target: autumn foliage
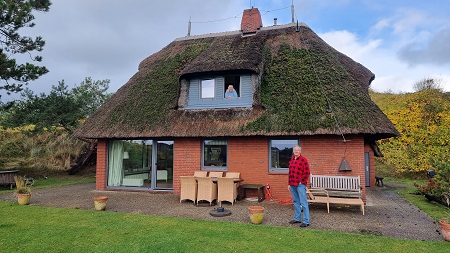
[{"x": 423, "y": 119}]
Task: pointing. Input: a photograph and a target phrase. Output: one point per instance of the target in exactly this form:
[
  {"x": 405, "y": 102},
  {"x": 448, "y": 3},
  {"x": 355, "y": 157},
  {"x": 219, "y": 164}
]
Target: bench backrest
[{"x": 338, "y": 183}]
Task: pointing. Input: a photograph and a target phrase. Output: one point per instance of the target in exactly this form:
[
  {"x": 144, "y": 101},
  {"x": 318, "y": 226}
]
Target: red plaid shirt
[{"x": 298, "y": 171}]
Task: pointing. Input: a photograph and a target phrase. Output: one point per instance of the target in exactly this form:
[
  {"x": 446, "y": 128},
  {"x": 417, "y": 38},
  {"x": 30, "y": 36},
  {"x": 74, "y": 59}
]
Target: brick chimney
[{"x": 251, "y": 21}]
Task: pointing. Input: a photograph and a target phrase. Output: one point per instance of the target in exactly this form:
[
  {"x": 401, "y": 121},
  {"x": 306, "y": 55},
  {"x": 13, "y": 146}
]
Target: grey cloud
[{"x": 436, "y": 51}]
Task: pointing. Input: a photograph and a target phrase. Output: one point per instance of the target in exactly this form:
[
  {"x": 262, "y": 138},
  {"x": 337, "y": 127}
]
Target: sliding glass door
[{"x": 140, "y": 164}]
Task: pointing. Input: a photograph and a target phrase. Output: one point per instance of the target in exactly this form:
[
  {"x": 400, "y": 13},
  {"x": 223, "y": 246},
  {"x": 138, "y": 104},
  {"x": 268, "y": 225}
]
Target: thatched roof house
[{"x": 292, "y": 84}]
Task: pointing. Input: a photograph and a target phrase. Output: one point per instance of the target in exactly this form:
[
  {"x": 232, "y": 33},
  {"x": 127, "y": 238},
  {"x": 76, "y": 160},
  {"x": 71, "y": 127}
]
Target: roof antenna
[
  {"x": 292, "y": 11},
  {"x": 189, "y": 27}
]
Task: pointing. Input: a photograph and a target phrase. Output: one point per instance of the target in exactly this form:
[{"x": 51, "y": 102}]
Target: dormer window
[
  {"x": 220, "y": 91},
  {"x": 207, "y": 89}
]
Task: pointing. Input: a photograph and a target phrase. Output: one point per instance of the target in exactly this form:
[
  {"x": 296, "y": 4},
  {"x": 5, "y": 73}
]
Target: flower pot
[
  {"x": 256, "y": 214},
  {"x": 445, "y": 229},
  {"x": 23, "y": 198},
  {"x": 100, "y": 203}
]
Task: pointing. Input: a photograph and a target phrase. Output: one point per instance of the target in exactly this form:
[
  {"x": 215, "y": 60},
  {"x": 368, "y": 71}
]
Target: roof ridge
[{"x": 238, "y": 32}]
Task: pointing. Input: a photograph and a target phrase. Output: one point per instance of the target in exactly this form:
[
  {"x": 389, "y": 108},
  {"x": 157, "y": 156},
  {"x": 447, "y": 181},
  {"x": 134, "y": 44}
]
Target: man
[{"x": 298, "y": 179}]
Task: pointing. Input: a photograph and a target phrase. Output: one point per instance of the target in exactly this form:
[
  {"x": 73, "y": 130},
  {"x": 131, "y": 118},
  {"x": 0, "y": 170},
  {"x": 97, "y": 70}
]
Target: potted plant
[
  {"x": 23, "y": 191},
  {"x": 100, "y": 203},
  {"x": 445, "y": 229}
]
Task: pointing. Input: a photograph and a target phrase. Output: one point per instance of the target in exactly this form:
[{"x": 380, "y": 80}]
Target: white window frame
[{"x": 207, "y": 83}]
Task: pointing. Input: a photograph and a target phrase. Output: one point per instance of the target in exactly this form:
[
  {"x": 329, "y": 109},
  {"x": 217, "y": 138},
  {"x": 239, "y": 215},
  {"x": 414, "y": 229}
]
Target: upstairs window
[
  {"x": 221, "y": 91},
  {"x": 232, "y": 86},
  {"x": 207, "y": 88}
]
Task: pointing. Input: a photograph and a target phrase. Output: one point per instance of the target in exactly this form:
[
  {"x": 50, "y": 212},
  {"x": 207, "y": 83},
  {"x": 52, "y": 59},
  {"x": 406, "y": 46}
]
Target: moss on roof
[{"x": 299, "y": 73}]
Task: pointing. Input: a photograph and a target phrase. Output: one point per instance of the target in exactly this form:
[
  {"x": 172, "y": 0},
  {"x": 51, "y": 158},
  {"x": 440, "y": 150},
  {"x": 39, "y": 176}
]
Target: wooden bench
[
  {"x": 7, "y": 177},
  {"x": 336, "y": 190},
  {"x": 338, "y": 186},
  {"x": 321, "y": 196}
]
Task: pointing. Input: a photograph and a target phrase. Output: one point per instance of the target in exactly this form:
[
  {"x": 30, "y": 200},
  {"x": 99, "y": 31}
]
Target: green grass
[
  {"x": 433, "y": 209},
  {"x": 42, "y": 229},
  {"x": 55, "y": 181}
]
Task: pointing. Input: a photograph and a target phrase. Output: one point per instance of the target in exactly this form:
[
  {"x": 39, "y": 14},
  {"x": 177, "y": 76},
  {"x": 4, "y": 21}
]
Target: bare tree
[{"x": 428, "y": 83}]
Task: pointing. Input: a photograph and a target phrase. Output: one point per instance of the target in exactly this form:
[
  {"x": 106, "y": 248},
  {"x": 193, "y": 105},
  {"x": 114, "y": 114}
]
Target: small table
[
  {"x": 379, "y": 181},
  {"x": 259, "y": 187}
]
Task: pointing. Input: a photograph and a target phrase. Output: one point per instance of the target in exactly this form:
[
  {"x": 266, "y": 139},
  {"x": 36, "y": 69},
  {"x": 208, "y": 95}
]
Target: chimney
[
  {"x": 274, "y": 21},
  {"x": 251, "y": 21}
]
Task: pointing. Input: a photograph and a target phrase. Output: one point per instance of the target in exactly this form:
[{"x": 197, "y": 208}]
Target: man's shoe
[
  {"x": 294, "y": 221},
  {"x": 304, "y": 225}
]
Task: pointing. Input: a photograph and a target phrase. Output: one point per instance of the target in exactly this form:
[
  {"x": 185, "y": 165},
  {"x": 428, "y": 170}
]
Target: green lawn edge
[{"x": 44, "y": 229}]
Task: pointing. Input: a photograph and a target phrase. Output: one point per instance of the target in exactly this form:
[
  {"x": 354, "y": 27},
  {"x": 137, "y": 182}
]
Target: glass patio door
[{"x": 163, "y": 172}]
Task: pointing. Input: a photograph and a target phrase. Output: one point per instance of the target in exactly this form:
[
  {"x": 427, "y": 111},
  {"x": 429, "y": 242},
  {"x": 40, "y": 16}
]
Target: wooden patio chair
[
  {"x": 200, "y": 173},
  {"x": 206, "y": 190},
  {"x": 227, "y": 190},
  {"x": 216, "y": 174},
  {"x": 233, "y": 174},
  {"x": 188, "y": 188}
]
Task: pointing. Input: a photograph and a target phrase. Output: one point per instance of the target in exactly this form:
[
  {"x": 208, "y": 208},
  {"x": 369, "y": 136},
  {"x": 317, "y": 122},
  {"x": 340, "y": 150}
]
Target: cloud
[
  {"x": 392, "y": 74},
  {"x": 436, "y": 51}
]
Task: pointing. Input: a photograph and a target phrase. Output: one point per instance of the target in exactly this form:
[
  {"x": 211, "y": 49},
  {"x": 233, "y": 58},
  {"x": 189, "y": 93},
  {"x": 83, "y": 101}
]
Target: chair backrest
[
  {"x": 216, "y": 174},
  {"x": 233, "y": 174},
  {"x": 188, "y": 188},
  {"x": 225, "y": 181},
  {"x": 207, "y": 190},
  {"x": 227, "y": 190},
  {"x": 200, "y": 173}
]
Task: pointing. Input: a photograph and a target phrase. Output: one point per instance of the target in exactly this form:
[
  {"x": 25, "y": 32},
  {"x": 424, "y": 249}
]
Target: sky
[{"x": 401, "y": 41}]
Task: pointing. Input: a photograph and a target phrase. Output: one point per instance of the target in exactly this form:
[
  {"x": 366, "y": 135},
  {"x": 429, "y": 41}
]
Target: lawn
[{"x": 43, "y": 229}]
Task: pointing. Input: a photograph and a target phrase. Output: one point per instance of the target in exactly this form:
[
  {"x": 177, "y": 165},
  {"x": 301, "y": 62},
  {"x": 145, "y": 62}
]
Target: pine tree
[{"x": 16, "y": 14}]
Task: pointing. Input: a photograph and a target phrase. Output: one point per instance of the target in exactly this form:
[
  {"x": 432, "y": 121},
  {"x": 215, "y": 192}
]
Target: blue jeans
[{"x": 300, "y": 202}]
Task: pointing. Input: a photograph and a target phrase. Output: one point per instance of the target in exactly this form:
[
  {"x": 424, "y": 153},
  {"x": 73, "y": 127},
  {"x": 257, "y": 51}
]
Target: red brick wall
[
  {"x": 249, "y": 156},
  {"x": 100, "y": 173},
  {"x": 187, "y": 159}
]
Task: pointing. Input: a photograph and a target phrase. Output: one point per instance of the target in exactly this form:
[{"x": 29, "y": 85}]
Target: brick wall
[
  {"x": 187, "y": 159},
  {"x": 249, "y": 156},
  {"x": 100, "y": 173}
]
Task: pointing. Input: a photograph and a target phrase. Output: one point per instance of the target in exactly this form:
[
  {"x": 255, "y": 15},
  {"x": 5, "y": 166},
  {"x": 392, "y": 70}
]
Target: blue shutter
[
  {"x": 219, "y": 90},
  {"x": 246, "y": 87},
  {"x": 194, "y": 91}
]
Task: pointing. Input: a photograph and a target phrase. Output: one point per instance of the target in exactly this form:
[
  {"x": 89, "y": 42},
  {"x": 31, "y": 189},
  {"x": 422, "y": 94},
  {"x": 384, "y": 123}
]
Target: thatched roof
[{"x": 299, "y": 72}]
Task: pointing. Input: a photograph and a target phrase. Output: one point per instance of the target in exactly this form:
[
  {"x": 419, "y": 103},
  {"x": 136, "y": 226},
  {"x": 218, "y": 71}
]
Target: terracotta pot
[
  {"x": 100, "y": 203},
  {"x": 256, "y": 214},
  {"x": 23, "y": 198},
  {"x": 445, "y": 229}
]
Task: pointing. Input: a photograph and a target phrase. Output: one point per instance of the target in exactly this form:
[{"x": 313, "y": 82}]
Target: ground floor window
[
  {"x": 215, "y": 154},
  {"x": 281, "y": 152}
]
